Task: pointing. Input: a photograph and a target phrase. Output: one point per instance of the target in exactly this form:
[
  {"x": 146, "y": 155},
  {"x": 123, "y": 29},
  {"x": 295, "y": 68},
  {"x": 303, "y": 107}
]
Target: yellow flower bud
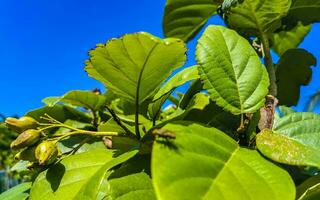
[
  {"x": 27, "y": 154},
  {"x": 46, "y": 152},
  {"x": 22, "y": 124},
  {"x": 25, "y": 139}
]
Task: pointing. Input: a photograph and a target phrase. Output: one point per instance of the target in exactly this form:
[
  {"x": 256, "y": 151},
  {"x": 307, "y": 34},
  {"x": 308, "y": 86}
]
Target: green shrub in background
[
  {"x": 221, "y": 139},
  {"x": 7, "y": 179}
]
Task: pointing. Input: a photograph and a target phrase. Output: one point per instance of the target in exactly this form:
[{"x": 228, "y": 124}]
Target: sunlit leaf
[
  {"x": 289, "y": 39},
  {"x": 185, "y": 75},
  {"x": 231, "y": 70},
  {"x": 86, "y": 99},
  {"x": 70, "y": 177},
  {"x": 94, "y": 186},
  {"x": 209, "y": 165},
  {"x": 19, "y": 192},
  {"x": 184, "y": 18},
  {"x": 135, "y": 65},
  {"x": 182, "y": 77},
  {"x": 286, "y": 110},
  {"x": 60, "y": 113},
  {"x": 254, "y": 17},
  {"x": 294, "y": 140}
]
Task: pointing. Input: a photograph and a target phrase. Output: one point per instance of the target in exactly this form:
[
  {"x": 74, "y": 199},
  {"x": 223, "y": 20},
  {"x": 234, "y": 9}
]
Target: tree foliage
[{"x": 221, "y": 139}]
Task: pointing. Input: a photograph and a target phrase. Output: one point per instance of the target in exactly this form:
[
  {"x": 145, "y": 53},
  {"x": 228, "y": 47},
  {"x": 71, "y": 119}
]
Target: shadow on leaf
[{"x": 54, "y": 175}]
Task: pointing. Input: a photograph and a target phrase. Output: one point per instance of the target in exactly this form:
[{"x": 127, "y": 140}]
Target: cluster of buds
[{"x": 29, "y": 141}]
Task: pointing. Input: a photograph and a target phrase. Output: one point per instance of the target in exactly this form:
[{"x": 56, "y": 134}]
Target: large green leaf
[
  {"x": 293, "y": 70},
  {"x": 72, "y": 176},
  {"x": 94, "y": 186},
  {"x": 307, "y": 11},
  {"x": 19, "y": 192},
  {"x": 184, "y": 18},
  {"x": 135, "y": 65},
  {"x": 209, "y": 165},
  {"x": 294, "y": 140},
  {"x": 289, "y": 39},
  {"x": 253, "y": 17},
  {"x": 310, "y": 189},
  {"x": 231, "y": 70},
  {"x": 86, "y": 99}
]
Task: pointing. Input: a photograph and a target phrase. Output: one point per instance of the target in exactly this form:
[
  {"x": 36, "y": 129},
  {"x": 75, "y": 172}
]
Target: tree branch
[
  {"x": 269, "y": 64},
  {"x": 267, "y": 112}
]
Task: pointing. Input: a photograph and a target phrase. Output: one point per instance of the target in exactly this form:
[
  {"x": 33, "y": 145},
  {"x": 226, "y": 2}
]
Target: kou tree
[{"x": 222, "y": 139}]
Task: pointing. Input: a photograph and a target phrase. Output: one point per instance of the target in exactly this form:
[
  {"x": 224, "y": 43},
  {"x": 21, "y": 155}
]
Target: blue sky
[{"x": 43, "y": 45}]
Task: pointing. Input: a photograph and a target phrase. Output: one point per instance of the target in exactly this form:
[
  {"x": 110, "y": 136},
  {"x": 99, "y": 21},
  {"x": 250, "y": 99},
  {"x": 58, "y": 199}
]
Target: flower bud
[
  {"x": 27, "y": 154},
  {"x": 25, "y": 139},
  {"x": 46, "y": 152},
  {"x": 22, "y": 124}
]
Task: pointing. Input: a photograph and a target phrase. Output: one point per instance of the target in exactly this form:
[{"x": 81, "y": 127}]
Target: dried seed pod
[
  {"x": 25, "y": 139},
  {"x": 46, "y": 152},
  {"x": 22, "y": 124}
]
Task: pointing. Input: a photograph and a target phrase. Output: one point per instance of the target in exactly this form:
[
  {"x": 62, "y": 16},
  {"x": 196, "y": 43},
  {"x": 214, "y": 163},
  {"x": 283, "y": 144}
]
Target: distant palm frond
[
  {"x": 2, "y": 117},
  {"x": 312, "y": 102}
]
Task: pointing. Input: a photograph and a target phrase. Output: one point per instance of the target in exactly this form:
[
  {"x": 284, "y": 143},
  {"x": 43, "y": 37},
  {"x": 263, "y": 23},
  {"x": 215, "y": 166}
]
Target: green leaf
[
  {"x": 182, "y": 77},
  {"x": 154, "y": 109},
  {"x": 195, "y": 87},
  {"x": 293, "y": 70},
  {"x": 209, "y": 165},
  {"x": 136, "y": 186},
  {"x": 203, "y": 110},
  {"x": 231, "y": 70},
  {"x": 286, "y": 110},
  {"x": 287, "y": 150},
  {"x": 60, "y": 113},
  {"x": 294, "y": 140},
  {"x": 20, "y": 167},
  {"x": 184, "y": 18},
  {"x": 254, "y": 17},
  {"x": 94, "y": 186},
  {"x": 86, "y": 99},
  {"x": 185, "y": 75},
  {"x": 66, "y": 179},
  {"x": 131, "y": 181},
  {"x": 309, "y": 189},
  {"x": 307, "y": 11},
  {"x": 136, "y": 64},
  {"x": 289, "y": 39},
  {"x": 19, "y": 192},
  {"x": 112, "y": 126}
]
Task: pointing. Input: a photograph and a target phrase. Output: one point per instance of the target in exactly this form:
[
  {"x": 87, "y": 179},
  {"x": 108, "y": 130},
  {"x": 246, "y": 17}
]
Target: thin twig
[{"x": 118, "y": 121}]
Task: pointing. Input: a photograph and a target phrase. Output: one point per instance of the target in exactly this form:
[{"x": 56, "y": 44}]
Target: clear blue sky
[{"x": 43, "y": 44}]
